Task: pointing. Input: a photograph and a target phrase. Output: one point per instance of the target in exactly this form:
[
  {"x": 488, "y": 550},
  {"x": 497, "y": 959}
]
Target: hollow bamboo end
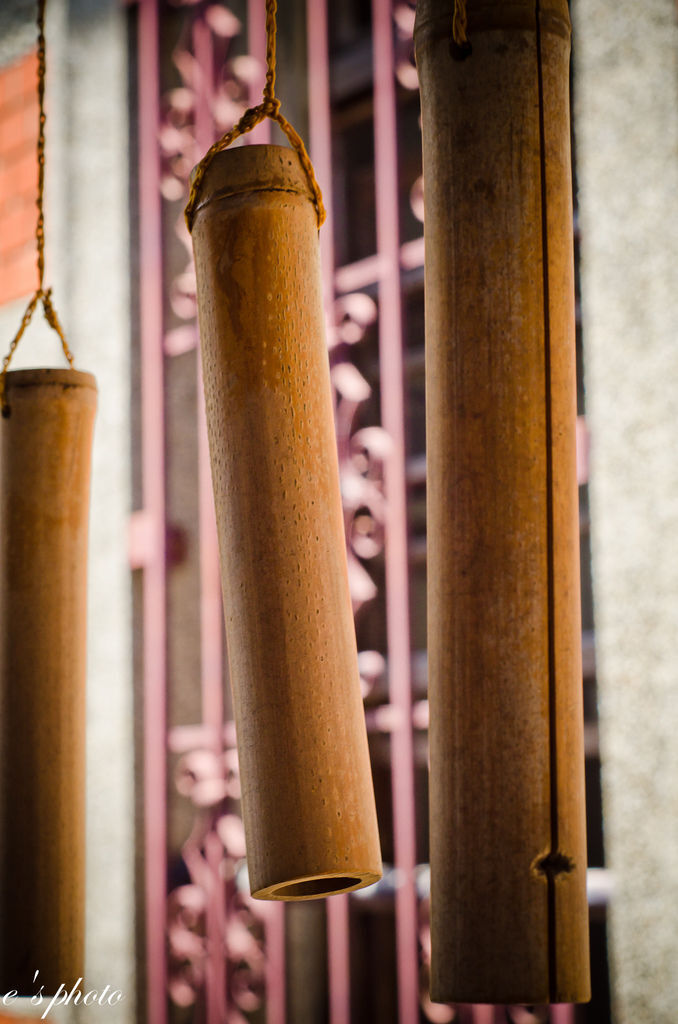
[
  {"x": 44, "y": 381},
  {"x": 43, "y": 375},
  {"x": 314, "y": 887}
]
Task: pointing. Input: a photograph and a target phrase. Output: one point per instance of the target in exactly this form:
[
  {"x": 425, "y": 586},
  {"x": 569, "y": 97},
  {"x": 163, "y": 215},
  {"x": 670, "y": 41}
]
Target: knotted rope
[
  {"x": 41, "y": 294},
  {"x": 460, "y": 46},
  {"x": 269, "y": 107}
]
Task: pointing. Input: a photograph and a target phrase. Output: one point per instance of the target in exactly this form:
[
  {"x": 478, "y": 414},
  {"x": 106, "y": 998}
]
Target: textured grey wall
[
  {"x": 87, "y": 216},
  {"x": 626, "y": 119},
  {"x": 17, "y": 32}
]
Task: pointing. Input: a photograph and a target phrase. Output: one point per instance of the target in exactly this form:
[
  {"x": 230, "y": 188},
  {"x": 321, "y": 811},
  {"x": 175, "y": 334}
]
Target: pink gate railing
[{"x": 208, "y": 945}]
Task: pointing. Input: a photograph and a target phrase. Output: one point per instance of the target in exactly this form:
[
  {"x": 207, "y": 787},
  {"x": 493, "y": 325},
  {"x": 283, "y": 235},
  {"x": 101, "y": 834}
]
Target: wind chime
[
  {"x": 308, "y": 804},
  {"x": 45, "y": 446},
  {"x": 508, "y": 853}
]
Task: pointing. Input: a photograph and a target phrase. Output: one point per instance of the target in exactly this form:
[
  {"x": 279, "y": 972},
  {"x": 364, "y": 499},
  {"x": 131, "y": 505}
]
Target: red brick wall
[{"x": 18, "y": 178}]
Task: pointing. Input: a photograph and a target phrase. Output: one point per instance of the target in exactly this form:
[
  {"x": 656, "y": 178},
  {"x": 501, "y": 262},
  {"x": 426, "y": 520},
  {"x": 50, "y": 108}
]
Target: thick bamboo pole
[
  {"x": 308, "y": 804},
  {"x": 45, "y": 449},
  {"x": 508, "y": 851}
]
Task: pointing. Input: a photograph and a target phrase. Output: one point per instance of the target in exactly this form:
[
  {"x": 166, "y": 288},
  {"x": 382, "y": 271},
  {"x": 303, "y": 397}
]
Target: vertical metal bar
[
  {"x": 338, "y": 960},
  {"x": 210, "y": 582},
  {"x": 562, "y": 1013},
  {"x": 320, "y": 130},
  {"x": 320, "y": 139},
  {"x": 256, "y": 47},
  {"x": 275, "y": 963},
  {"x": 212, "y": 714},
  {"x": 211, "y": 615},
  {"x": 397, "y": 576},
  {"x": 153, "y": 476},
  {"x": 275, "y": 915},
  {"x": 211, "y": 650}
]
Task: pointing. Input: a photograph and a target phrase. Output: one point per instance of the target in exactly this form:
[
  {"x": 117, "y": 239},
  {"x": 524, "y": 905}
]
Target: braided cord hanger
[
  {"x": 269, "y": 107},
  {"x": 41, "y": 294},
  {"x": 459, "y": 23},
  {"x": 460, "y": 47}
]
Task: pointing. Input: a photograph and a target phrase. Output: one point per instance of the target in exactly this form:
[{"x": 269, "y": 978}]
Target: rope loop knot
[
  {"x": 269, "y": 107},
  {"x": 460, "y": 46},
  {"x": 41, "y": 294}
]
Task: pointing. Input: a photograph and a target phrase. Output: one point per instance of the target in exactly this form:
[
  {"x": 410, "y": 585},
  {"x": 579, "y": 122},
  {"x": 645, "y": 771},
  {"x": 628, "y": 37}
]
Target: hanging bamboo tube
[
  {"x": 44, "y": 498},
  {"x": 308, "y": 804},
  {"x": 508, "y": 852}
]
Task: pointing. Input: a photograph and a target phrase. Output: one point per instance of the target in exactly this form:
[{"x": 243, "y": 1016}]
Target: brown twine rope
[
  {"x": 459, "y": 24},
  {"x": 269, "y": 107},
  {"x": 460, "y": 46},
  {"x": 41, "y": 294}
]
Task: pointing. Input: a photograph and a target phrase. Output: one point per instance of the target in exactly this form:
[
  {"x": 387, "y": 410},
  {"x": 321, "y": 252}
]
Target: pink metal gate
[{"x": 213, "y": 954}]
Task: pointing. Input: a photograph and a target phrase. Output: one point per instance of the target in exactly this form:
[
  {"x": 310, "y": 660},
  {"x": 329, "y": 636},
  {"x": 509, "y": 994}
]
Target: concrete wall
[
  {"x": 87, "y": 217},
  {"x": 626, "y": 122}
]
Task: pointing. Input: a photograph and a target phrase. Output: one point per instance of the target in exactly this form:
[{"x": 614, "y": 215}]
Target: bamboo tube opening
[
  {"x": 312, "y": 888},
  {"x": 308, "y": 804}
]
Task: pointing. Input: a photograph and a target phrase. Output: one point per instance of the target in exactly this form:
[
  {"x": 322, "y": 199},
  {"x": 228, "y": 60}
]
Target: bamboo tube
[
  {"x": 508, "y": 850},
  {"x": 308, "y": 804},
  {"x": 44, "y": 499}
]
